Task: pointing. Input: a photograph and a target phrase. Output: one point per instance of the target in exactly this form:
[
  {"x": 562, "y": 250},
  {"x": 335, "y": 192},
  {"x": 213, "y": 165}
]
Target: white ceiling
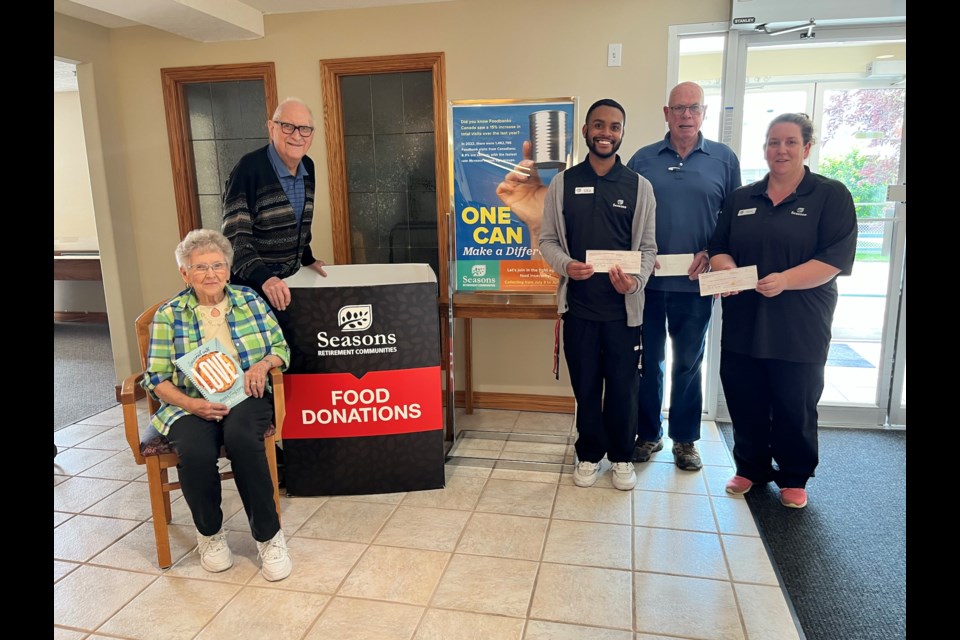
[{"x": 204, "y": 20}]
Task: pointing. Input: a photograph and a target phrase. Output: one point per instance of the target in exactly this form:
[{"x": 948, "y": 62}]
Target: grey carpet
[
  {"x": 842, "y": 559},
  {"x": 84, "y": 383}
]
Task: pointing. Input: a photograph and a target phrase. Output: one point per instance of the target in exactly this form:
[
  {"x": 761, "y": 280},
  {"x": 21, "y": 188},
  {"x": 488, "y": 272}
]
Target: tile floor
[
  {"x": 853, "y": 385},
  {"x": 503, "y": 552}
]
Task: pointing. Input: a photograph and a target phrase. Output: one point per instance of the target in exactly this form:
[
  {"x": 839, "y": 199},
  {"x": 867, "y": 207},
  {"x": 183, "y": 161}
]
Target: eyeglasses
[
  {"x": 695, "y": 109},
  {"x": 203, "y": 268},
  {"x": 289, "y": 127}
]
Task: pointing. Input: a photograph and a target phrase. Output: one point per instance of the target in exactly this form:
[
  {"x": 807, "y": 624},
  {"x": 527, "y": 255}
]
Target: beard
[{"x": 606, "y": 154}]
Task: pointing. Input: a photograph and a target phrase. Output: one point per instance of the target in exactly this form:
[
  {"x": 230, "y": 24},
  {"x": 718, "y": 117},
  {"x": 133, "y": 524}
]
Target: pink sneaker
[
  {"x": 793, "y": 497},
  {"x": 738, "y": 485}
]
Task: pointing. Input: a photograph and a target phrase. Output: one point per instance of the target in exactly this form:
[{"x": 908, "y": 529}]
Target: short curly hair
[{"x": 199, "y": 239}]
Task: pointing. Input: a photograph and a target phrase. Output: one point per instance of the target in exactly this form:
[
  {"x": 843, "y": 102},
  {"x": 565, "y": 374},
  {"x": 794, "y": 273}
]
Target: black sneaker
[
  {"x": 645, "y": 449},
  {"x": 686, "y": 456}
]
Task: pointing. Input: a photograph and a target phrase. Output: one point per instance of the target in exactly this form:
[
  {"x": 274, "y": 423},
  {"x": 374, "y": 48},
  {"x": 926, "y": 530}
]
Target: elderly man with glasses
[
  {"x": 690, "y": 176},
  {"x": 268, "y": 208}
]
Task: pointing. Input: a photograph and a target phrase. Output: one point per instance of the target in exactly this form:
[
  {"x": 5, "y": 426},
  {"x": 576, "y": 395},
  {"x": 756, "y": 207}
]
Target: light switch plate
[{"x": 614, "y": 53}]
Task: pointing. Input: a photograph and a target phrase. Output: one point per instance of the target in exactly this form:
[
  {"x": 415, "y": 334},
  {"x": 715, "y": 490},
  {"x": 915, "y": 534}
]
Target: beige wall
[
  {"x": 841, "y": 59},
  {"x": 705, "y": 66},
  {"x": 73, "y": 223},
  {"x": 74, "y": 227},
  {"x": 108, "y": 152},
  {"x": 809, "y": 61},
  {"x": 494, "y": 49},
  {"x": 764, "y": 65}
]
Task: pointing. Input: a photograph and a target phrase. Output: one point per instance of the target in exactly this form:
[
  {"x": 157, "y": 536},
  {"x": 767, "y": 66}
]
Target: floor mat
[
  {"x": 843, "y": 355},
  {"x": 842, "y": 559},
  {"x": 84, "y": 383}
]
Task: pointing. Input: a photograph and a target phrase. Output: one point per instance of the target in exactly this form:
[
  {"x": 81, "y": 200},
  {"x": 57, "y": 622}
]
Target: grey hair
[
  {"x": 291, "y": 100},
  {"x": 199, "y": 239},
  {"x": 802, "y": 120}
]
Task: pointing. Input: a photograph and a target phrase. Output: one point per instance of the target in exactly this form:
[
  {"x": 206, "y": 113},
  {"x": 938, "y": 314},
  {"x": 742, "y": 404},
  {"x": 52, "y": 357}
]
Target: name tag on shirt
[
  {"x": 746, "y": 212},
  {"x": 579, "y": 190}
]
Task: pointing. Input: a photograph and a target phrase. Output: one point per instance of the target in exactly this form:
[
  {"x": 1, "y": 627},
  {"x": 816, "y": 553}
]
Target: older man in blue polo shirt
[{"x": 690, "y": 176}]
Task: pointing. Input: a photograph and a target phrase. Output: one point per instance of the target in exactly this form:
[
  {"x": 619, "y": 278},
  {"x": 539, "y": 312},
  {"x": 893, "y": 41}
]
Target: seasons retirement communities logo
[
  {"x": 355, "y": 318},
  {"x": 478, "y": 275}
]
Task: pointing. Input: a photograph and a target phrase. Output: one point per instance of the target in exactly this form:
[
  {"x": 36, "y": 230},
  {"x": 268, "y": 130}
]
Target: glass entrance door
[{"x": 858, "y": 108}]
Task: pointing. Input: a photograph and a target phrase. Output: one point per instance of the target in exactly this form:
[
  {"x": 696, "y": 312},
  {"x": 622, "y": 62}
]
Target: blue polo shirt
[
  {"x": 689, "y": 193},
  {"x": 292, "y": 184}
]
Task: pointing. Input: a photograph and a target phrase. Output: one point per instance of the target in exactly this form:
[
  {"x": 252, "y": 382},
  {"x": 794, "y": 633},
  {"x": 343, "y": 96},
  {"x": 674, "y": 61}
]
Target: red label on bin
[{"x": 338, "y": 405}]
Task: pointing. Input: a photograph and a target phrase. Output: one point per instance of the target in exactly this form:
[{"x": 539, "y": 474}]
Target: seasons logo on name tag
[
  {"x": 579, "y": 190},
  {"x": 746, "y": 212}
]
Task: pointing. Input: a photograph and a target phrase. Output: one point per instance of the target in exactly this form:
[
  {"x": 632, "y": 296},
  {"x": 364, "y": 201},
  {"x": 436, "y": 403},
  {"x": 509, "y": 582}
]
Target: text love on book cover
[{"x": 215, "y": 372}]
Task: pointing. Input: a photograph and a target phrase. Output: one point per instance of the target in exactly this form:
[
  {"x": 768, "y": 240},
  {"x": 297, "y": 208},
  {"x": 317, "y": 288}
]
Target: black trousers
[
  {"x": 283, "y": 319},
  {"x": 197, "y": 443},
  {"x": 603, "y": 360},
  {"x": 773, "y": 405}
]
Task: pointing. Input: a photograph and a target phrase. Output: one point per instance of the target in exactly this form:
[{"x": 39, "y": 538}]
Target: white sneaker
[
  {"x": 586, "y": 474},
  {"x": 215, "y": 555},
  {"x": 275, "y": 563},
  {"x": 624, "y": 477}
]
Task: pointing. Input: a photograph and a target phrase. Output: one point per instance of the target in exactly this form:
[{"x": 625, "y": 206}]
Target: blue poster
[{"x": 503, "y": 154}]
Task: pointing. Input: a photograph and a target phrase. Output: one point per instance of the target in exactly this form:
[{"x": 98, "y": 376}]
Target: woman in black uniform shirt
[{"x": 800, "y": 230}]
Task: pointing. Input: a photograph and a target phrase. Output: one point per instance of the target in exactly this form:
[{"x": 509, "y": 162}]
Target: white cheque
[
  {"x": 676, "y": 264},
  {"x": 603, "y": 261},
  {"x": 738, "y": 279}
]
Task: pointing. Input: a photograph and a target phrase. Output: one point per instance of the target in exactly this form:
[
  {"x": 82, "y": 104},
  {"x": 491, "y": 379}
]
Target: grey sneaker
[
  {"x": 275, "y": 561},
  {"x": 586, "y": 474},
  {"x": 686, "y": 456},
  {"x": 645, "y": 449},
  {"x": 624, "y": 476},
  {"x": 215, "y": 555}
]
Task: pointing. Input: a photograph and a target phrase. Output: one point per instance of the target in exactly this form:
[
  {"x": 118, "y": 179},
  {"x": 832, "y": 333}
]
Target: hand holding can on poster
[
  {"x": 499, "y": 182},
  {"x": 524, "y": 192}
]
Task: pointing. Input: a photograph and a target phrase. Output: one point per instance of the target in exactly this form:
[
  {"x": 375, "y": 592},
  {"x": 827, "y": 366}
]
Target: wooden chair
[{"x": 151, "y": 449}]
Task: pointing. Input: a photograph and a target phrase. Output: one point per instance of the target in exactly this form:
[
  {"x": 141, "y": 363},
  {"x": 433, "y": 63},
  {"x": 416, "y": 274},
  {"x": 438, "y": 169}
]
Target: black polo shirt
[
  {"x": 817, "y": 222},
  {"x": 598, "y": 214}
]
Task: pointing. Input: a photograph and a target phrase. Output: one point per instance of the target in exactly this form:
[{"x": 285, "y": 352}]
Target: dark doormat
[{"x": 842, "y": 559}]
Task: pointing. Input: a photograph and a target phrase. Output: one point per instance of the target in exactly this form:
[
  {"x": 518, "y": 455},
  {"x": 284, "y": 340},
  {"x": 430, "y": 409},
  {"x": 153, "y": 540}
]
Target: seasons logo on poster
[
  {"x": 478, "y": 276},
  {"x": 353, "y": 319}
]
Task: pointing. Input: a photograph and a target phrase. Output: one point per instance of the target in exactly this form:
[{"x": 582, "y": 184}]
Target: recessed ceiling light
[{"x": 886, "y": 56}]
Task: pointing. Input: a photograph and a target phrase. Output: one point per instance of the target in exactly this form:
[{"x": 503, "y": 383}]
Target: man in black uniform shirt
[{"x": 600, "y": 204}]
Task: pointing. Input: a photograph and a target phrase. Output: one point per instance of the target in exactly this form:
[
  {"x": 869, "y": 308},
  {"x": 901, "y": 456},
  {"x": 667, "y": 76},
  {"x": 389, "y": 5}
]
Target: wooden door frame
[
  {"x": 178, "y": 125},
  {"x": 330, "y": 73}
]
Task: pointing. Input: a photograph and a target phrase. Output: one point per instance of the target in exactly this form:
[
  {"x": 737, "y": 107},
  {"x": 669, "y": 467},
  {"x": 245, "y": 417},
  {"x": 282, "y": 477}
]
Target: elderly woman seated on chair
[{"x": 195, "y": 427}]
